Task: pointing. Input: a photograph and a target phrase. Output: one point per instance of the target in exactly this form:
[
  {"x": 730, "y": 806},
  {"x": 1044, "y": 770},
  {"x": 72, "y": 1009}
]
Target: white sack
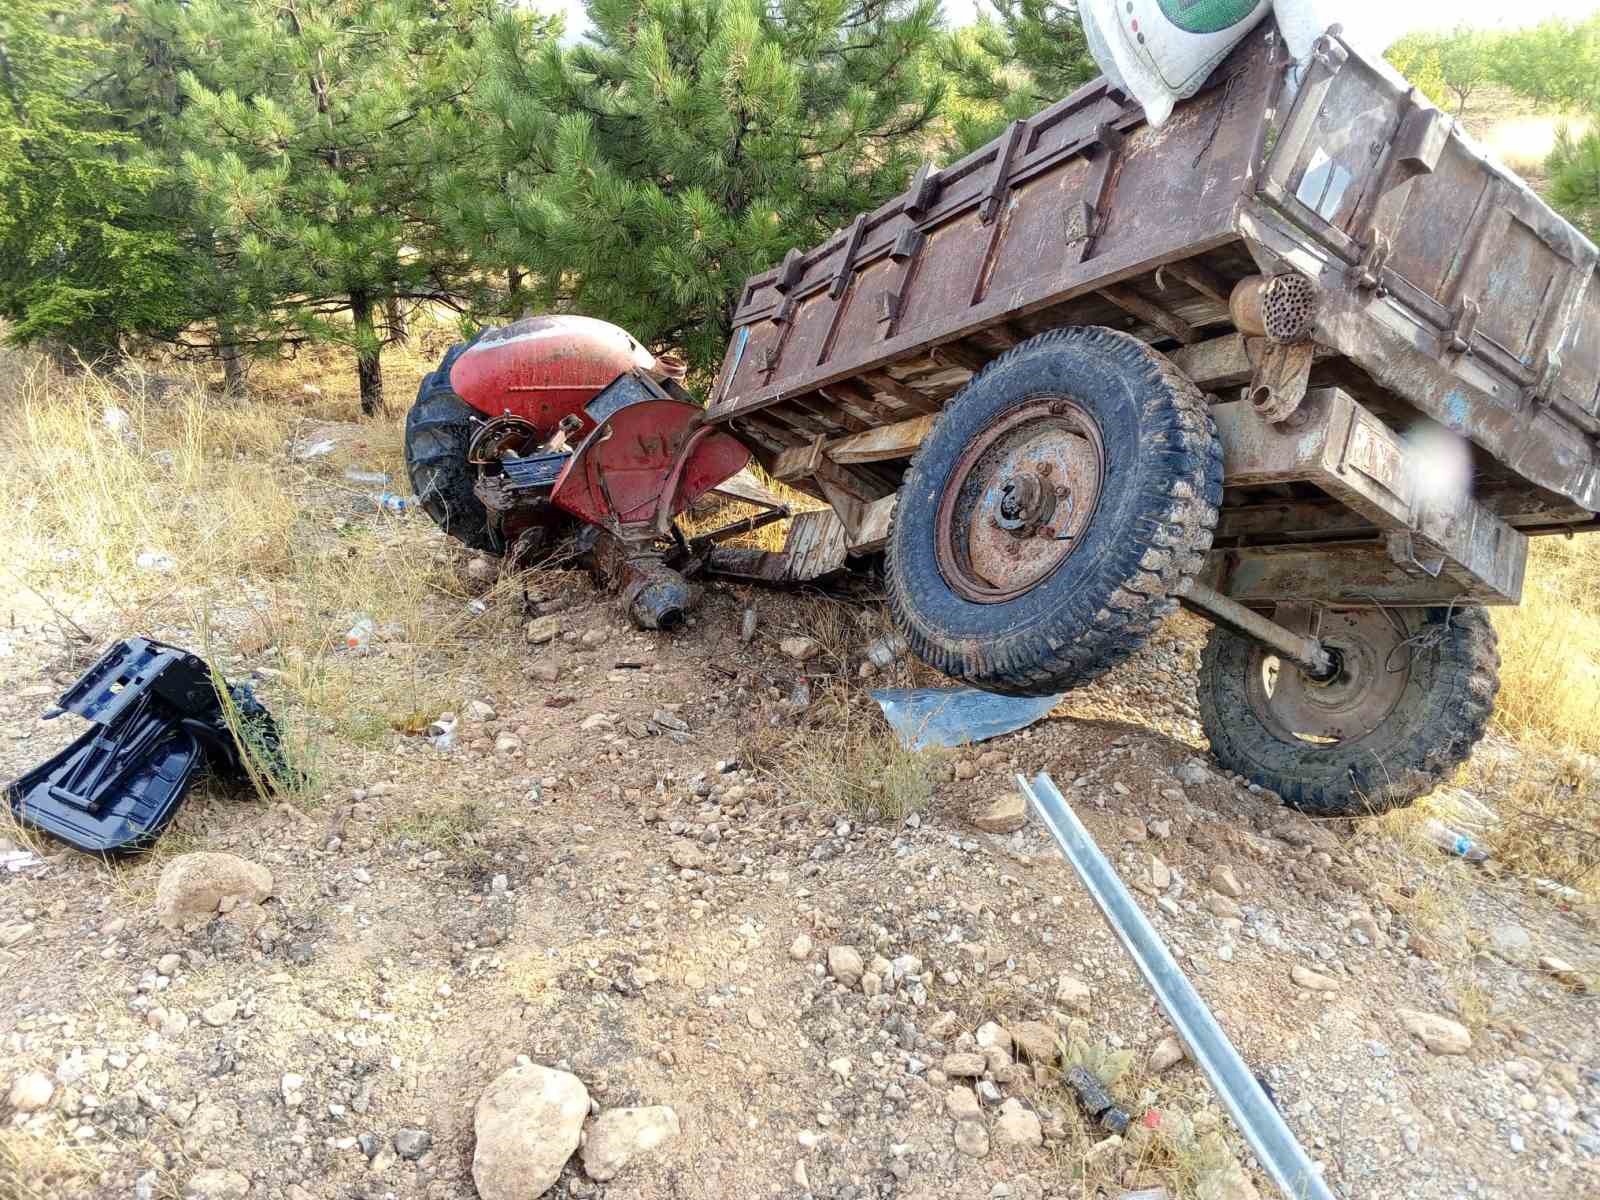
[{"x": 1161, "y": 51}]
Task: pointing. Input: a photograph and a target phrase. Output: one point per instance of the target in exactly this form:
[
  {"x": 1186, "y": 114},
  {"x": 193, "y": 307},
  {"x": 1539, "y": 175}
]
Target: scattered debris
[
  {"x": 155, "y": 560},
  {"x": 359, "y": 635},
  {"x": 1096, "y": 1101},
  {"x": 1453, "y": 842},
  {"x": 156, "y": 716},
  {"x": 356, "y": 475},
  {"x": 315, "y": 450},
  {"x": 19, "y": 860},
  {"x": 924, "y": 717}
]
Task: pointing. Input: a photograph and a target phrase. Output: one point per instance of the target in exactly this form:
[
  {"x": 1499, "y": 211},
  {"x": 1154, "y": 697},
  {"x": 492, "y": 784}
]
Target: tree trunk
[
  {"x": 232, "y": 359},
  {"x": 397, "y": 321},
  {"x": 514, "y": 292},
  {"x": 368, "y": 368}
]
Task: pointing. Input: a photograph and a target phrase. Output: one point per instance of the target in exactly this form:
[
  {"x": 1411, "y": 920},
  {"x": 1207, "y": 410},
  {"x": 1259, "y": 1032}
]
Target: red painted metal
[
  {"x": 652, "y": 456},
  {"x": 543, "y": 368}
]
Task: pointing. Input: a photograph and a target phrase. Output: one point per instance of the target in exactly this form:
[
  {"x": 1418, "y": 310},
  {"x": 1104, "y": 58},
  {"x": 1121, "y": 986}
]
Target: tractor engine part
[{"x": 1280, "y": 307}]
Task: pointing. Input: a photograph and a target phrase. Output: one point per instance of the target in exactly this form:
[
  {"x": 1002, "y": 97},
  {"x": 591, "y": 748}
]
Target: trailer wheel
[
  {"x": 1047, "y": 520},
  {"x": 1411, "y": 697},
  {"x": 438, "y": 429}
]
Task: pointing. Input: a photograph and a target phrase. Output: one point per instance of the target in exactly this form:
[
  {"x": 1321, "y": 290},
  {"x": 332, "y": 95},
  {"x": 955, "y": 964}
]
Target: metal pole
[
  {"x": 1304, "y": 652},
  {"x": 1271, "y": 1139}
]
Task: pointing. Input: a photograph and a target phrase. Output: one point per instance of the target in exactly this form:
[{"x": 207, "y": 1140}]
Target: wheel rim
[
  {"x": 1374, "y": 669},
  {"x": 1019, "y": 499}
]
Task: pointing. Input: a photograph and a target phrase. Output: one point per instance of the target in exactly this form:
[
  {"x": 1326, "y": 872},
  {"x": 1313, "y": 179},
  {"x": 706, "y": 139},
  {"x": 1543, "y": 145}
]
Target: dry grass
[
  {"x": 249, "y": 568},
  {"x": 845, "y": 759}
]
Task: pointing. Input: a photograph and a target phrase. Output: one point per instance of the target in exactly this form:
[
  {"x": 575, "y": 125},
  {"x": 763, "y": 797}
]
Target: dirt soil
[{"x": 653, "y": 908}]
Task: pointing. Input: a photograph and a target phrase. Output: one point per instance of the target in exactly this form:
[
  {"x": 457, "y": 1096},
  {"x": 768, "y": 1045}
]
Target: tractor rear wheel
[
  {"x": 1410, "y": 697},
  {"x": 438, "y": 430},
  {"x": 1048, "y": 520}
]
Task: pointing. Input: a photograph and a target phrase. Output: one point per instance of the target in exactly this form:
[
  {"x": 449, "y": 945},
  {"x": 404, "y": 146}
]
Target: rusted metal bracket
[
  {"x": 1460, "y": 338},
  {"x": 852, "y": 243},
  {"x": 924, "y": 191},
  {"x": 1368, "y": 274},
  {"x": 1281, "y": 376},
  {"x": 1000, "y": 184},
  {"x": 1081, "y": 220}
]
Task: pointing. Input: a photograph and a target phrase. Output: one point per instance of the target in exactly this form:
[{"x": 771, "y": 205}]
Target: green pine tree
[
  {"x": 1558, "y": 63},
  {"x": 88, "y": 253},
  {"x": 1031, "y": 54},
  {"x": 315, "y": 134},
  {"x": 683, "y": 145}
]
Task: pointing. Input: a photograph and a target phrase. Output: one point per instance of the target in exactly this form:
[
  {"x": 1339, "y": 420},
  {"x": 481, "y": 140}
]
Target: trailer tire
[
  {"x": 438, "y": 431},
  {"x": 1429, "y": 723},
  {"x": 1143, "y": 527}
]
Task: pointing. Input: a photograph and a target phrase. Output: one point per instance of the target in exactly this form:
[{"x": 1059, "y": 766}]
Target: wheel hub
[
  {"x": 1019, "y": 500},
  {"x": 1372, "y": 669},
  {"x": 1023, "y": 504}
]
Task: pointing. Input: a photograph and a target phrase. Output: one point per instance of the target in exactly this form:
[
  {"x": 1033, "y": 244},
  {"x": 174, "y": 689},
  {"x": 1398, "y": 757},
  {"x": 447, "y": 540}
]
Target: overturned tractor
[{"x": 1304, "y": 361}]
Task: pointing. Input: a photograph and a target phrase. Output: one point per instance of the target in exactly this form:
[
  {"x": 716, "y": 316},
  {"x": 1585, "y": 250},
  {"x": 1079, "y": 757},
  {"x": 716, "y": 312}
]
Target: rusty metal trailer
[{"x": 1097, "y": 368}]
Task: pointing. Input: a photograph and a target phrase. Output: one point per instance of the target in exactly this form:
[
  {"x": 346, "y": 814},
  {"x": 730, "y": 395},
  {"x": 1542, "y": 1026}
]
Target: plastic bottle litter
[
  {"x": 1453, "y": 842},
  {"x": 442, "y": 733},
  {"x": 356, "y": 475},
  {"x": 360, "y": 635},
  {"x": 390, "y": 502}
]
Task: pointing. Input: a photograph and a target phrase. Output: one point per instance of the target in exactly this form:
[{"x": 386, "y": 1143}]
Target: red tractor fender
[{"x": 646, "y": 463}]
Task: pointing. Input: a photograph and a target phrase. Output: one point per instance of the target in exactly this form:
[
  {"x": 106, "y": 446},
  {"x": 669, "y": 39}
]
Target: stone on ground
[
  {"x": 845, "y": 965},
  {"x": 31, "y": 1092},
  {"x": 1035, "y": 1041},
  {"x": 1314, "y": 981},
  {"x": 1169, "y": 1052},
  {"x": 528, "y": 1123},
  {"x": 217, "y": 1183},
  {"x": 618, "y": 1134},
  {"x": 1018, "y": 1125},
  {"x": 1004, "y": 814},
  {"x": 1439, "y": 1034},
  {"x": 193, "y": 886}
]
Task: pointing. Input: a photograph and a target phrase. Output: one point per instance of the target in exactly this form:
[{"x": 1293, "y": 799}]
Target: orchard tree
[
  {"x": 683, "y": 145},
  {"x": 1558, "y": 63},
  {"x": 1449, "y": 67},
  {"x": 315, "y": 133},
  {"x": 88, "y": 251}
]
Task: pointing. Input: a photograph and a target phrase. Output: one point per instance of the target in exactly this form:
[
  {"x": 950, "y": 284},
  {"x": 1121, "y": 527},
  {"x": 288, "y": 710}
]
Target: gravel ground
[{"x": 607, "y": 874}]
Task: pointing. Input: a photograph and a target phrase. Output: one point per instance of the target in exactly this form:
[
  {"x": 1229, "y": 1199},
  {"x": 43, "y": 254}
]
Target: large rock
[
  {"x": 528, "y": 1123},
  {"x": 1439, "y": 1034},
  {"x": 1073, "y": 992},
  {"x": 193, "y": 886},
  {"x": 618, "y": 1134},
  {"x": 1035, "y": 1041}
]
